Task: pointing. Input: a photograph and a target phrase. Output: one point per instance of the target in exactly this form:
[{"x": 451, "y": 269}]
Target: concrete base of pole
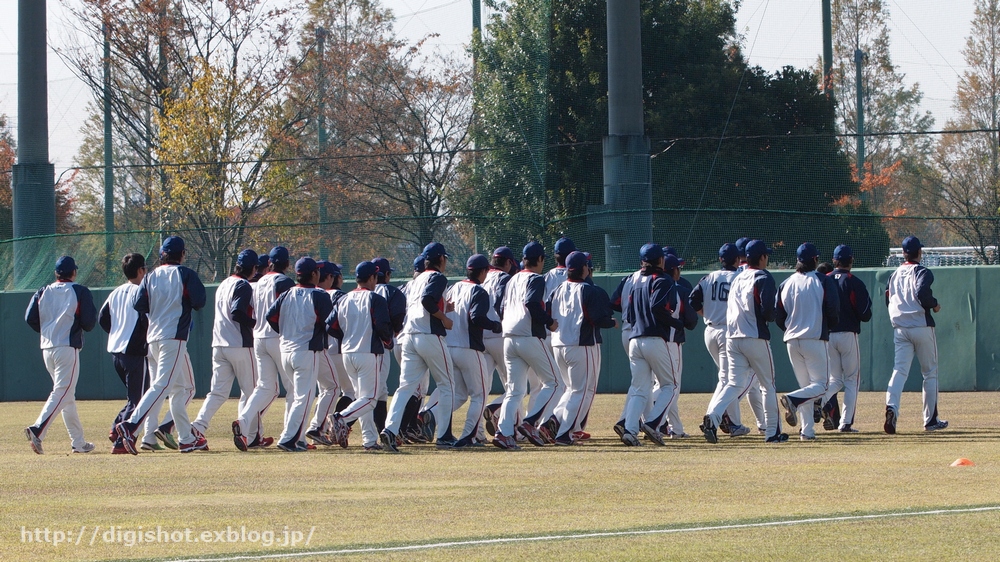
[
  {"x": 626, "y": 218},
  {"x": 34, "y": 215}
]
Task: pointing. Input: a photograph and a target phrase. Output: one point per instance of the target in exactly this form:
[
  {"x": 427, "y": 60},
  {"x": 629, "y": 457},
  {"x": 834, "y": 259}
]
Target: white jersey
[
  {"x": 418, "y": 319},
  {"x": 233, "y": 292},
  {"x": 57, "y": 305},
  {"x": 123, "y": 316},
  {"x": 335, "y": 296},
  {"x": 495, "y": 279},
  {"x": 555, "y": 277},
  {"x": 801, "y": 297},
  {"x": 266, "y": 291},
  {"x": 524, "y": 287},
  {"x": 354, "y": 315},
  {"x": 714, "y": 289},
  {"x": 909, "y": 296}
]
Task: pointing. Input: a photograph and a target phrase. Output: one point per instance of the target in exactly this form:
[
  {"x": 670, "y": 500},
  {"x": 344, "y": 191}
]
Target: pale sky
[{"x": 927, "y": 39}]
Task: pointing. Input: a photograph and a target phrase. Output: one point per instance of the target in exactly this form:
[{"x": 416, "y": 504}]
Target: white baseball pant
[
  {"x": 473, "y": 376},
  {"x": 63, "y": 365},
  {"x": 523, "y": 354},
  {"x": 383, "y": 373},
  {"x": 328, "y": 376},
  {"x": 811, "y": 365},
  {"x": 422, "y": 352},
  {"x": 749, "y": 358},
  {"x": 715, "y": 343},
  {"x": 362, "y": 369},
  {"x": 590, "y": 390},
  {"x": 171, "y": 376},
  {"x": 845, "y": 372},
  {"x": 673, "y": 412},
  {"x": 921, "y": 341},
  {"x": 576, "y": 363},
  {"x": 228, "y": 364},
  {"x": 494, "y": 348},
  {"x": 648, "y": 357},
  {"x": 267, "y": 352},
  {"x": 303, "y": 366},
  {"x": 657, "y": 409}
]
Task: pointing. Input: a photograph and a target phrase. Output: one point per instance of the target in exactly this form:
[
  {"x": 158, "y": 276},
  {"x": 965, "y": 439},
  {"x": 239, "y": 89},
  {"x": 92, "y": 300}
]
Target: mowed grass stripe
[{"x": 697, "y": 528}]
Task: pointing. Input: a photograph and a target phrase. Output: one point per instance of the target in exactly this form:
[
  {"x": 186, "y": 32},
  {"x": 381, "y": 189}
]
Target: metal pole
[
  {"x": 859, "y": 58},
  {"x": 109, "y": 172},
  {"x": 477, "y": 17},
  {"x": 827, "y": 50},
  {"x": 321, "y": 134},
  {"x": 34, "y": 197}
]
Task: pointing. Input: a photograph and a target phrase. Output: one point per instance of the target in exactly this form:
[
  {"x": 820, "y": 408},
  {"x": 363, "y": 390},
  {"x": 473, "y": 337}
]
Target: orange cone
[{"x": 963, "y": 462}]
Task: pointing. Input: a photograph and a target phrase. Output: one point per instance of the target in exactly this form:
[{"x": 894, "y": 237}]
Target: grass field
[{"x": 738, "y": 500}]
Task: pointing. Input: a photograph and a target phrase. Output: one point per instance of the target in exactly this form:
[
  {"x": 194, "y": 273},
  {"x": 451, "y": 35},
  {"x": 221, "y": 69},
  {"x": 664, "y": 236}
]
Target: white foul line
[{"x": 481, "y": 542}]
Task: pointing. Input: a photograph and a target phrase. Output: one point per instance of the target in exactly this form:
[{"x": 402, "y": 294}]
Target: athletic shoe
[
  {"x": 261, "y": 442},
  {"x": 890, "y": 421},
  {"x": 118, "y": 450},
  {"x": 831, "y": 414},
  {"x": 505, "y": 442},
  {"x": 725, "y": 424},
  {"x": 804, "y": 437},
  {"x": 463, "y": 443},
  {"x": 290, "y": 448},
  {"x": 338, "y": 427},
  {"x": 673, "y": 435},
  {"x": 739, "y": 431},
  {"x": 779, "y": 438},
  {"x": 87, "y": 447},
  {"x": 553, "y": 426},
  {"x": 490, "y": 416},
  {"x": 199, "y": 444},
  {"x": 318, "y": 437},
  {"x": 761, "y": 431},
  {"x": 848, "y": 429},
  {"x": 652, "y": 434},
  {"x": 34, "y": 440},
  {"x": 428, "y": 425},
  {"x": 630, "y": 440},
  {"x": 546, "y": 434},
  {"x": 306, "y": 446},
  {"x": 828, "y": 423},
  {"x": 168, "y": 439},
  {"x": 374, "y": 448},
  {"x": 239, "y": 439},
  {"x": 580, "y": 436},
  {"x": 128, "y": 439},
  {"x": 940, "y": 424},
  {"x": 790, "y": 416},
  {"x": 413, "y": 435},
  {"x": 388, "y": 440},
  {"x": 564, "y": 440},
  {"x": 708, "y": 428},
  {"x": 817, "y": 411},
  {"x": 531, "y": 434},
  {"x": 113, "y": 436},
  {"x": 154, "y": 446},
  {"x": 445, "y": 443},
  {"x": 620, "y": 428}
]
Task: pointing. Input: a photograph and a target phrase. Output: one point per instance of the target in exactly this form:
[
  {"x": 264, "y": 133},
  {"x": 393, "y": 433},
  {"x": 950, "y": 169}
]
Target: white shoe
[{"x": 86, "y": 448}]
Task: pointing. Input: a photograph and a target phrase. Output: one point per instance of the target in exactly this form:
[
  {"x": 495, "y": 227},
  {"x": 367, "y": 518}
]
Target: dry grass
[{"x": 356, "y": 499}]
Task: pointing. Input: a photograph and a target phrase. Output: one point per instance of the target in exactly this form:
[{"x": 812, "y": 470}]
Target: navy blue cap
[
  {"x": 328, "y": 268},
  {"x": 671, "y": 251},
  {"x": 383, "y": 265},
  {"x": 533, "y": 250},
  {"x": 576, "y": 260},
  {"x": 65, "y": 265},
  {"x": 418, "y": 264},
  {"x": 305, "y": 266},
  {"x": 843, "y": 252},
  {"x": 741, "y": 246},
  {"x": 564, "y": 247},
  {"x": 263, "y": 260},
  {"x": 365, "y": 269},
  {"x": 505, "y": 252},
  {"x": 247, "y": 260},
  {"x": 670, "y": 261},
  {"x": 757, "y": 248},
  {"x": 590, "y": 261},
  {"x": 807, "y": 251},
  {"x": 172, "y": 245},
  {"x": 911, "y": 244},
  {"x": 477, "y": 261},
  {"x": 649, "y": 253},
  {"x": 728, "y": 252},
  {"x": 435, "y": 249},
  {"x": 279, "y": 254}
]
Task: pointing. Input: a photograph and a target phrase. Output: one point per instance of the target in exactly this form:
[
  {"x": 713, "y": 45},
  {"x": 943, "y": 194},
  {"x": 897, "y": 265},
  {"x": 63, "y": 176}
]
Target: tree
[
  {"x": 969, "y": 163},
  {"x": 890, "y": 106}
]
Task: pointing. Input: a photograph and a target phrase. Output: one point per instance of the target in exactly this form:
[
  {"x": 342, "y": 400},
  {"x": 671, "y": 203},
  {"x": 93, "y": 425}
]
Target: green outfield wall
[{"x": 968, "y": 335}]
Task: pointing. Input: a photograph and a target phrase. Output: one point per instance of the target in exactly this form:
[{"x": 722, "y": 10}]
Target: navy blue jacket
[
  {"x": 855, "y": 302},
  {"x": 651, "y": 305}
]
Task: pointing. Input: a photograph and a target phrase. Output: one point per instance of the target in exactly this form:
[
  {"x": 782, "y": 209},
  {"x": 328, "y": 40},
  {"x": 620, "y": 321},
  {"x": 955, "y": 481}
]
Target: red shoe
[
  {"x": 199, "y": 444},
  {"x": 580, "y": 436},
  {"x": 119, "y": 450},
  {"x": 113, "y": 436},
  {"x": 310, "y": 447},
  {"x": 261, "y": 442}
]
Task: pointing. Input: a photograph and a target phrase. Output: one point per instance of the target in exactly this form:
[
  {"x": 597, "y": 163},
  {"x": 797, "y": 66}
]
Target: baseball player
[
  {"x": 424, "y": 347},
  {"x": 126, "y": 330},
  {"x": 709, "y": 299},
  {"x": 910, "y": 300},
  {"x": 232, "y": 340},
  {"x": 525, "y": 320},
  {"x": 267, "y": 352},
  {"x": 412, "y": 428},
  {"x": 331, "y": 376},
  {"x": 619, "y": 301},
  {"x": 807, "y": 306},
  {"x": 470, "y": 315},
  {"x": 749, "y": 309},
  {"x": 397, "y": 314},
  {"x": 299, "y": 316},
  {"x": 669, "y": 421},
  {"x": 263, "y": 262},
  {"x": 167, "y": 296},
  {"x": 557, "y": 275},
  {"x": 582, "y": 310},
  {"x": 590, "y": 391},
  {"x": 496, "y": 281},
  {"x": 361, "y": 322},
  {"x": 753, "y": 394},
  {"x": 845, "y": 358},
  {"x": 649, "y": 309},
  {"x": 60, "y": 312}
]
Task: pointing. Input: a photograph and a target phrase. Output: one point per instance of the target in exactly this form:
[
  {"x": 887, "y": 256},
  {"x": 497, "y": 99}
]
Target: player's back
[{"x": 265, "y": 293}]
